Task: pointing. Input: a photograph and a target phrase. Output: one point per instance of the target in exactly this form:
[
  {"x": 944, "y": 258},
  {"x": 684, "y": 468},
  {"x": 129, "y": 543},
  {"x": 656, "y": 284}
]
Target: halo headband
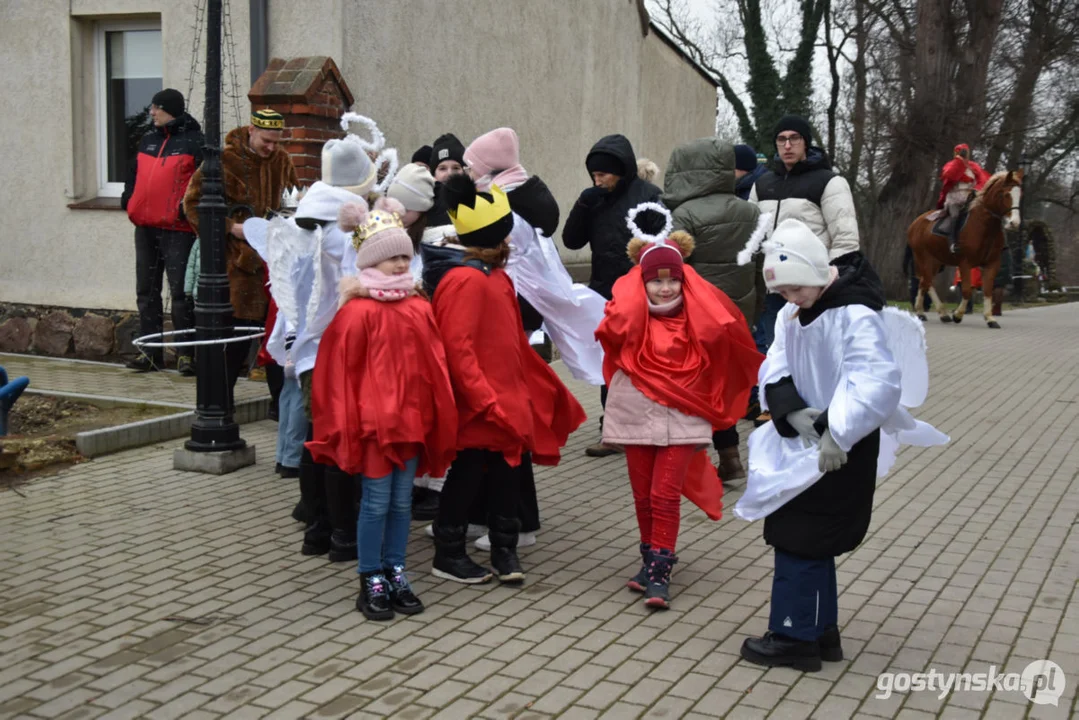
[{"x": 658, "y": 239}]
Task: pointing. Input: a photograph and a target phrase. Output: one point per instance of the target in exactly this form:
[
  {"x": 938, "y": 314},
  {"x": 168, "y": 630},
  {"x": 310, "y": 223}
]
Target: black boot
[
  {"x": 402, "y": 598},
  {"x": 425, "y": 504},
  {"x": 639, "y": 582},
  {"x": 503, "y": 536},
  {"x": 657, "y": 594},
  {"x": 774, "y": 650},
  {"x": 452, "y": 561},
  {"x": 374, "y": 599},
  {"x": 311, "y": 488},
  {"x": 341, "y": 506},
  {"x": 831, "y": 648},
  {"x": 316, "y": 537}
]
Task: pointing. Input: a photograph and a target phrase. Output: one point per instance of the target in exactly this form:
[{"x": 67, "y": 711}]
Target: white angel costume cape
[
  {"x": 305, "y": 267},
  {"x": 867, "y": 369}
]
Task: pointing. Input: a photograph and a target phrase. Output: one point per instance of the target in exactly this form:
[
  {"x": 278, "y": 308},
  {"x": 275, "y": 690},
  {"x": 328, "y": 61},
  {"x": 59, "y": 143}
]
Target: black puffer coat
[
  {"x": 603, "y": 225},
  {"x": 832, "y": 516}
]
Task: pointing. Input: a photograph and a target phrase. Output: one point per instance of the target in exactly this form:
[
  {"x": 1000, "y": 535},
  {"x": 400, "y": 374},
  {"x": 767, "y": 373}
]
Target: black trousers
[
  {"x": 160, "y": 253},
  {"x": 527, "y": 502},
  {"x": 236, "y": 354},
  {"x": 275, "y": 379},
  {"x": 475, "y": 471},
  {"x": 728, "y": 438}
]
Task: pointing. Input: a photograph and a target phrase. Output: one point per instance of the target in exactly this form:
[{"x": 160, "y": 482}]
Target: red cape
[
  {"x": 381, "y": 390},
  {"x": 702, "y": 362},
  {"x": 953, "y": 172},
  {"x": 508, "y": 399}
]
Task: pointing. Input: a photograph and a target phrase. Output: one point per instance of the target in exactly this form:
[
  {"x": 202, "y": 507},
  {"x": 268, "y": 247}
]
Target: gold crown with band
[
  {"x": 268, "y": 119},
  {"x": 487, "y": 212},
  {"x": 376, "y": 222}
]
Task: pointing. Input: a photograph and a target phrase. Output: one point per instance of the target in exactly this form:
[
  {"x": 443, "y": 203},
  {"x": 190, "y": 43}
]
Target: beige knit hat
[
  {"x": 414, "y": 188},
  {"x": 379, "y": 234}
]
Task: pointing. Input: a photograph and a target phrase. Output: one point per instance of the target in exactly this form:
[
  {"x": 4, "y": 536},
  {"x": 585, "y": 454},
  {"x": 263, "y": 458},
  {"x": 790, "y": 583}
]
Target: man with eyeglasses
[{"x": 801, "y": 184}]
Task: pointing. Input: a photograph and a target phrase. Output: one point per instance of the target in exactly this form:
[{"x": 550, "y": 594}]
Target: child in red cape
[
  {"x": 509, "y": 402},
  {"x": 381, "y": 402},
  {"x": 679, "y": 363}
]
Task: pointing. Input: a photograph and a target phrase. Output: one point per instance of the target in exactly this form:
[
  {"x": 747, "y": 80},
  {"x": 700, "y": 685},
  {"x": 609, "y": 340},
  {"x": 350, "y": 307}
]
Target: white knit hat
[
  {"x": 794, "y": 255},
  {"x": 414, "y": 187}
]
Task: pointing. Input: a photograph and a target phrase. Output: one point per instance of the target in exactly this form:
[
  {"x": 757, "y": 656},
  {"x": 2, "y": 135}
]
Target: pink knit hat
[
  {"x": 496, "y": 150},
  {"x": 377, "y": 234}
]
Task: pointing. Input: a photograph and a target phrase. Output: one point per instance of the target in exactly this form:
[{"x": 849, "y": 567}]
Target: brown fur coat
[{"x": 257, "y": 182}]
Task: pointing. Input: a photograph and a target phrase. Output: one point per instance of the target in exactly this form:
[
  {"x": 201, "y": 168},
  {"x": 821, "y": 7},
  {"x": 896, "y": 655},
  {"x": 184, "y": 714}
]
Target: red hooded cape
[
  {"x": 954, "y": 172},
  {"x": 381, "y": 390},
  {"x": 508, "y": 399},
  {"x": 702, "y": 362}
]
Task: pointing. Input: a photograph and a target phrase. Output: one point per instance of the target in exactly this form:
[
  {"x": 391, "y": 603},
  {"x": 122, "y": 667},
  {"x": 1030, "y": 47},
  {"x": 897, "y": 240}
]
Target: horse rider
[{"x": 960, "y": 178}]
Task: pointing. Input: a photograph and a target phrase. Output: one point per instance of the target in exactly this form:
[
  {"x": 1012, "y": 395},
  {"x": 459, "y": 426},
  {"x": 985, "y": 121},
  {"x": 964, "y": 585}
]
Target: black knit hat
[
  {"x": 798, "y": 124},
  {"x": 606, "y": 163},
  {"x": 491, "y": 221},
  {"x": 169, "y": 100},
  {"x": 447, "y": 147},
  {"x": 745, "y": 158},
  {"x": 423, "y": 155}
]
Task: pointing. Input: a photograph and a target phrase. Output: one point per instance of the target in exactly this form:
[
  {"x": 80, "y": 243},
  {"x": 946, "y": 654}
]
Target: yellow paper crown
[
  {"x": 467, "y": 220},
  {"x": 376, "y": 222}
]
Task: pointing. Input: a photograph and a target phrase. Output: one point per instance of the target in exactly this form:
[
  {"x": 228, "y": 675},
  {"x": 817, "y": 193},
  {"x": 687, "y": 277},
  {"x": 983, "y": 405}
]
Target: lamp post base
[{"x": 213, "y": 463}]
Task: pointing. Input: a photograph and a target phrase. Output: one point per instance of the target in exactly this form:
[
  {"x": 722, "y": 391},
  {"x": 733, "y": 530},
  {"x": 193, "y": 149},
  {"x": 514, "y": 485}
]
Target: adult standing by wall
[
  {"x": 699, "y": 190},
  {"x": 257, "y": 171},
  {"x": 153, "y": 197},
  {"x": 598, "y": 219}
]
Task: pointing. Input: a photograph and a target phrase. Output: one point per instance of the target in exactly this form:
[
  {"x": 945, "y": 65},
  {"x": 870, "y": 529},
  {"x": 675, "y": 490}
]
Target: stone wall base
[{"x": 87, "y": 334}]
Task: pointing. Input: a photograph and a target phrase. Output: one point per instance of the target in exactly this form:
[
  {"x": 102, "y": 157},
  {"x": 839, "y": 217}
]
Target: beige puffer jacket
[{"x": 630, "y": 418}]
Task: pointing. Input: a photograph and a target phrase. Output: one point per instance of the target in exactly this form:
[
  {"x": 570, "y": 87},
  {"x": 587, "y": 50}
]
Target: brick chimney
[{"x": 312, "y": 95}]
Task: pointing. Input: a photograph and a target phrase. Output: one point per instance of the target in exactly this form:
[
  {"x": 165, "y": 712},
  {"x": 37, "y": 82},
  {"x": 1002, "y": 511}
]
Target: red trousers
[{"x": 657, "y": 475}]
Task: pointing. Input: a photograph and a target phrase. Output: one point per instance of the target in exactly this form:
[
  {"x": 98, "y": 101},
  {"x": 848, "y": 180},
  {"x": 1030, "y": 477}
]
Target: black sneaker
[
  {"x": 186, "y": 365},
  {"x": 143, "y": 364},
  {"x": 402, "y": 598},
  {"x": 775, "y": 650},
  {"x": 374, "y": 599}
]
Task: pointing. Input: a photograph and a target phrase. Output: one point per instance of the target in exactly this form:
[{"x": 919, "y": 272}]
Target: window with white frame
[{"x": 129, "y": 73}]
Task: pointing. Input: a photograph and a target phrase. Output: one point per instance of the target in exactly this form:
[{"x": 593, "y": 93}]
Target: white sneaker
[
  {"x": 473, "y": 531},
  {"x": 523, "y": 540}
]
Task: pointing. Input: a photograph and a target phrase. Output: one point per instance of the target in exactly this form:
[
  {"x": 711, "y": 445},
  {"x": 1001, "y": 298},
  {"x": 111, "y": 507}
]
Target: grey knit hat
[{"x": 345, "y": 164}]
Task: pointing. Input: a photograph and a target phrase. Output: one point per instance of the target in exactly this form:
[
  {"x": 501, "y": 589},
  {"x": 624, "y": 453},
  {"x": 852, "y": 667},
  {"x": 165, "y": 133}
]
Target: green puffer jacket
[{"x": 699, "y": 191}]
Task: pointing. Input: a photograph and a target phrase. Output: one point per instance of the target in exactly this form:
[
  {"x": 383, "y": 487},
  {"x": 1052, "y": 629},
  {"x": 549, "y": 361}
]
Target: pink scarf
[
  {"x": 374, "y": 284},
  {"x": 507, "y": 179}
]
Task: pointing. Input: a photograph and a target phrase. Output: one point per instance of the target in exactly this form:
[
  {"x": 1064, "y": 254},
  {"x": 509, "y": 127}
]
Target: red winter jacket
[{"x": 168, "y": 156}]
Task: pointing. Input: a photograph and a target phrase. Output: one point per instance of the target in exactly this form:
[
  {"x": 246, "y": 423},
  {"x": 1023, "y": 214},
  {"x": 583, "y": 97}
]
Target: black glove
[{"x": 592, "y": 197}]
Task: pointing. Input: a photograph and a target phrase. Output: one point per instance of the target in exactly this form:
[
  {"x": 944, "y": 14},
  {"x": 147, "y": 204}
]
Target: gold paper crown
[
  {"x": 468, "y": 220},
  {"x": 268, "y": 119},
  {"x": 376, "y": 222}
]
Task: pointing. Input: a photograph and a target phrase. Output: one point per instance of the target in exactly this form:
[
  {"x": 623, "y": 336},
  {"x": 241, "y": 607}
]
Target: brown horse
[{"x": 981, "y": 242}]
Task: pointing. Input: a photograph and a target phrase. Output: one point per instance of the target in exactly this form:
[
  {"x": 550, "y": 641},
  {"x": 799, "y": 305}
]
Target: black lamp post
[
  {"x": 214, "y": 429},
  {"x": 1019, "y": 251}
]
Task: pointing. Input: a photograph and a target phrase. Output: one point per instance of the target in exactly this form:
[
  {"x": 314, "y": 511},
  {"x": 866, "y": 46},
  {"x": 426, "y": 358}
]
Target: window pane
[{"x": 132, "y": 77}]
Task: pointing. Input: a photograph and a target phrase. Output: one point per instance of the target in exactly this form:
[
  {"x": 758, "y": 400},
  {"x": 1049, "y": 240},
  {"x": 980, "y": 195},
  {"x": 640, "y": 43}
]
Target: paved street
[{"x": 131, "y": 590}]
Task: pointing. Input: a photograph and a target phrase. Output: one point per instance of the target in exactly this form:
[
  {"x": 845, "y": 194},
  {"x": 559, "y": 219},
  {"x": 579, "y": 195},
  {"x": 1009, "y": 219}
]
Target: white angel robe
[{"x": 866, "y": 368}]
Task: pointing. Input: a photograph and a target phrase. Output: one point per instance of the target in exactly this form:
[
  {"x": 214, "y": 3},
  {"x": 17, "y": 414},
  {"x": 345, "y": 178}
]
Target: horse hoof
[
  {"x": 957, "y": 319},
  {"x": 994, "y": 325},
  {"x": 945, "y": 318},
  {"x": 923, "y": 318}
]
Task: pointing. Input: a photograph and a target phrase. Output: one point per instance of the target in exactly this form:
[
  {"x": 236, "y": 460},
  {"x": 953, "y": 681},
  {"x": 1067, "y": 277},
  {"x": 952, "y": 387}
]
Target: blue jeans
[
  {"x": 805, "y": 599},
  {"x": 291, "y": 424},
  {"x": 383, "y": 523},
  {"x": 765, "y": 332}
]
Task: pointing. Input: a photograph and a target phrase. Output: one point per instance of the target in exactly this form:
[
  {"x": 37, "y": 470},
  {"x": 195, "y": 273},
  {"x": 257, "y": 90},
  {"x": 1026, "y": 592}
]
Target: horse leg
[
  {"x": 919, "y": 304},
  {"x": 964, "y": 277},
  {"x": 944, "y": 316},
  {"x": 989, "y": 278}
]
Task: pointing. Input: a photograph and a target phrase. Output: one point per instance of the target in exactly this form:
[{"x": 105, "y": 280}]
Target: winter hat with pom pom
[
  {"x": 346, "y": 165},
  {"x": 493, "y": 152},
  {"x": 660, "y": 254},
  {"x": 794, "y": 255},
  {"x": 481, "y": 219},
  {"x": 378, "y": 234}
]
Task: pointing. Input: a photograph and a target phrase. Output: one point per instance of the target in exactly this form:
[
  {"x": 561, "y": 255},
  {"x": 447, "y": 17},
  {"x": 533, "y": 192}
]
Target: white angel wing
[
  {"x": 316, "y": 287},
  {"x": 286, "y": 246},
  {"x": 906, "y": 340}
]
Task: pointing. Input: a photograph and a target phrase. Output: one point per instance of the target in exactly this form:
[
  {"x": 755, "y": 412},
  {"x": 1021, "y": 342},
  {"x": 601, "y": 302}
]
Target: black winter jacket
[
  {"x": 603, "y": 225},
  {"x": 832, "y": 516}
]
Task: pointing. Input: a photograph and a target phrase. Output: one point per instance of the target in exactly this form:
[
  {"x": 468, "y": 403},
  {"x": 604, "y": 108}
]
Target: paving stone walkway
[{"x": 130, "y": 590}]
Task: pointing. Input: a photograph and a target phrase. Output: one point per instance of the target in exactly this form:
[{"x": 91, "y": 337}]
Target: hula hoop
[{"x": 144, "y": 340}]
